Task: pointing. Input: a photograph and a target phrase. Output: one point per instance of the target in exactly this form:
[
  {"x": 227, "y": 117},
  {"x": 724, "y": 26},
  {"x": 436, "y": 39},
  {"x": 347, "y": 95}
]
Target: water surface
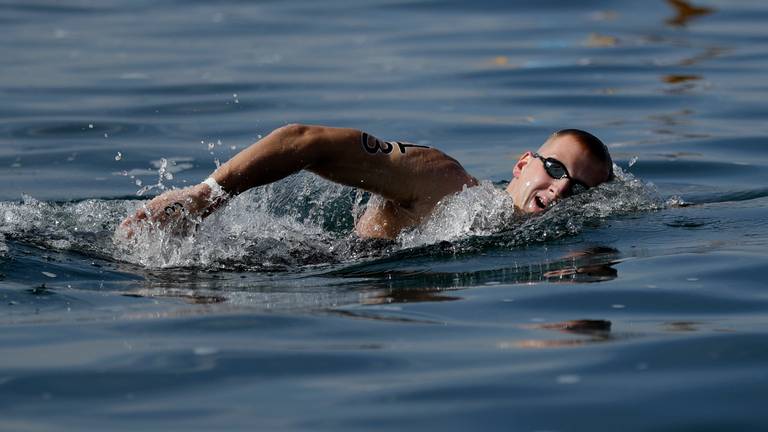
[{"x": 639, "y": 306}]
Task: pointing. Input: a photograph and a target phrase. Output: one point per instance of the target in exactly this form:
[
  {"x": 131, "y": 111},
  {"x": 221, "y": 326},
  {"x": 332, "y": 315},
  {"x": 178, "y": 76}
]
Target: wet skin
[
  {"x": 411, "y": 179},
  {"x": 533, "y": 190}
]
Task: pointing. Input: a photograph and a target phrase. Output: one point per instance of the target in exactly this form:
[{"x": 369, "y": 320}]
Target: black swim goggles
[{"x": 557, "y": 171}]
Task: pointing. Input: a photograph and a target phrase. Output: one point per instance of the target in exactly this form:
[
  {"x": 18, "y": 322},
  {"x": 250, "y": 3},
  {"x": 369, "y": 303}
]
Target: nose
[{"x": 559, "y": 188}]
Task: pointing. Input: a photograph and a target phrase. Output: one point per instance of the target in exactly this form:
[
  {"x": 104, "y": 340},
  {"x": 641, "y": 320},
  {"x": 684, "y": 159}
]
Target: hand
[{"x": 178, "y": 207}]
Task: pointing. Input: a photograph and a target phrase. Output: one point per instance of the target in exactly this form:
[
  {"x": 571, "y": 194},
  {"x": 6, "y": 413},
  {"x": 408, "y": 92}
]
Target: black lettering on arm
[
  {"x": 403, "y": 146},
  {"x": 373, "y": 145}
]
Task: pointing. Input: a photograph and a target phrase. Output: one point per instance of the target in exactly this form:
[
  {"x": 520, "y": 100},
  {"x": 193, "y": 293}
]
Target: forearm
[{"x": 281, "y": 153}]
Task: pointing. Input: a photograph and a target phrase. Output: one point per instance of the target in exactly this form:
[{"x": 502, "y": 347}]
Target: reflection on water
[
  {"x": 377, "y": 282},
  {"x": 676, "y": 79},
  {"x": 592, "y": 331},
  {"x": 682, "y": 326},
  {"x": 593, "y": 264},
  {"x": 685, "y": 11}
]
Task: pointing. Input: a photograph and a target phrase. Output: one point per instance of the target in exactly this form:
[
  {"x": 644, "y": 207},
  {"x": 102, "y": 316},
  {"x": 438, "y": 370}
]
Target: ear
[{"x": 521, "y": 163}]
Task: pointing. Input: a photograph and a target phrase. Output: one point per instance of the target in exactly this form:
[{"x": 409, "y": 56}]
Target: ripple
[
  {"x": 201, "y": 108},
  {"x": 75, "y": 129}
]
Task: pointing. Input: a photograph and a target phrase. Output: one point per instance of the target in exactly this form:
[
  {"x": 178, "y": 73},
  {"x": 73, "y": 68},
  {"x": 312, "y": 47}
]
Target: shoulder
[
  {"x": 448, "y": 167},
  {"x": 441, "y": 175}
]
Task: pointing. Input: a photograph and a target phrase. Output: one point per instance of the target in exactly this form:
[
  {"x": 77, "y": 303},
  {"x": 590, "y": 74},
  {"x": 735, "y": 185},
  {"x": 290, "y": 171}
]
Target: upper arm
[{"x": 404, "y": 173}]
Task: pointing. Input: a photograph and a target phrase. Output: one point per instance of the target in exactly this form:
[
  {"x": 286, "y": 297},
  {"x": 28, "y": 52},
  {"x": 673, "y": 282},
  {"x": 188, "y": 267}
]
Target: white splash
[
  {"x": 475, "y": 211},
  {"x": 305, "y": 220}
]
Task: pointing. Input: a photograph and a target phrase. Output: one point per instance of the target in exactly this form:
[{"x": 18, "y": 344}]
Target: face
[{"x": 533, "y": 190}]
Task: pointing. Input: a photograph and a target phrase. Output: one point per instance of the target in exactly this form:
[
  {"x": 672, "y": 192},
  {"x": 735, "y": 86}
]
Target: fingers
[
  {"x": 167, "y": 208},
  {"x": 125, "y": 229},
  {"x": 127, "y": 225}
]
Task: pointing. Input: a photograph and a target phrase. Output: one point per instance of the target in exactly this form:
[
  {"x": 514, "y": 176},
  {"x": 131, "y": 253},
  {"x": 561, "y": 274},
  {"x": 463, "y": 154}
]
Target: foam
[{"x": 307, "y": 221}]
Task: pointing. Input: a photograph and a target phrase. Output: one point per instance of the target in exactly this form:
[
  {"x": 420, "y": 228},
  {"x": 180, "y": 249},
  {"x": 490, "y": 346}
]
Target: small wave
[
  {"x": 483, "y": 216},
  {"x": 720, "y": 197},
  {"x": 475, "y": 211},
  {"x": 77, "y": 226},
  {"x": 307, "y": 221}
]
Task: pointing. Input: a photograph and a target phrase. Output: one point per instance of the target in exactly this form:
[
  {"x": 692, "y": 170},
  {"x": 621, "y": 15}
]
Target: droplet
[
  {"x": 90, "y": 126},
  {"x": 49, "y": 274},
  {"x": 118, "y": 156}
]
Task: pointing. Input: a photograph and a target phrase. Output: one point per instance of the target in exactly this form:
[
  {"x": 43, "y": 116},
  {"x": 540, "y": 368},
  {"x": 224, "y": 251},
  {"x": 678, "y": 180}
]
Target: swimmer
[{"x": 411, "y": 179}]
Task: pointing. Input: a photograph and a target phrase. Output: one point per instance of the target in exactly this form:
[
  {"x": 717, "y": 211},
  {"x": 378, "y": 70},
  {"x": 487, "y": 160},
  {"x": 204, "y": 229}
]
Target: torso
[
  {"x": 437, "y": 175},
  {"x": 384, "y": 218}
]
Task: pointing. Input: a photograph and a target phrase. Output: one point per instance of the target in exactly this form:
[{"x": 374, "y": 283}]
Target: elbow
[
  {"x": 297, "y": 138},
  {"x": 293, "y": 130},
  {"x": 301, "y": 142},
  {"x": 298, "y": 134}
]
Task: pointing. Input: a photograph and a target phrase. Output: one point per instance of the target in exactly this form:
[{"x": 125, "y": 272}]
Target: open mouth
[{"x": 539, "y": 202}]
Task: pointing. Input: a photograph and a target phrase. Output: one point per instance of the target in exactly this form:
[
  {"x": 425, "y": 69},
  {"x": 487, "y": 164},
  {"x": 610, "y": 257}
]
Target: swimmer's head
[{"x": 570, "y": 161}]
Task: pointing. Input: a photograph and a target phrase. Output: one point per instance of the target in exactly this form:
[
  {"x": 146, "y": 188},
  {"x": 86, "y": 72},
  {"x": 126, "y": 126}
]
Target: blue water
[{"x": 639, "y": 306}]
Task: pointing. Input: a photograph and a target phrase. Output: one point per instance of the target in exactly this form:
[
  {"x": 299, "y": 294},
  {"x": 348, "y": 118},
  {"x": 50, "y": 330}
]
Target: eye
[{"x": 555, "y": 169}]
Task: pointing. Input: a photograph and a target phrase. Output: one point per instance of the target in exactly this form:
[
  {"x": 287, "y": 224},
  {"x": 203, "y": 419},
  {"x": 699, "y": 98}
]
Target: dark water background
[{"x": 640, "y": 308}]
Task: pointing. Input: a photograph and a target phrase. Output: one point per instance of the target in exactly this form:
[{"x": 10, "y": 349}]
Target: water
[{"x": 639, "y": 306}]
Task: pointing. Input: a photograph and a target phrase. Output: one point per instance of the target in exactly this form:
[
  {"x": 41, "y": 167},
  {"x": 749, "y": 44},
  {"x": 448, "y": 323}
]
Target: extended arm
[{"x": 405, "y": 174}]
